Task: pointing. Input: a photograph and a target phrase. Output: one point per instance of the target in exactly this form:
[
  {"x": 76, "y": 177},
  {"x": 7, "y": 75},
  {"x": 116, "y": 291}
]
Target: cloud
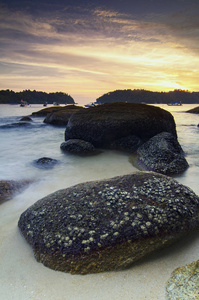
[{"x": 94, "y": 49}]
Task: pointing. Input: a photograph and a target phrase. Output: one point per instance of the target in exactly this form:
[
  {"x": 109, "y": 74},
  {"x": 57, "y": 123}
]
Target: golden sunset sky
[{"x": 88, "y": 48}]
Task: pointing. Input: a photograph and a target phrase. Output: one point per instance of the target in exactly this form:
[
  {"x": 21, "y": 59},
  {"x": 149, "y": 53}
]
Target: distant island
[
  {"x": 176, "y": 97},
  {"x": 34, "y": 97},
  {"x": 149, "y": 97}
]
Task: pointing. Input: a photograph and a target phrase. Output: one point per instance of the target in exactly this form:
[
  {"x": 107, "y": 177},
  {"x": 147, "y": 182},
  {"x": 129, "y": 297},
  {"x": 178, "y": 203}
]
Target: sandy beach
[{"x": 21, "y": 277}]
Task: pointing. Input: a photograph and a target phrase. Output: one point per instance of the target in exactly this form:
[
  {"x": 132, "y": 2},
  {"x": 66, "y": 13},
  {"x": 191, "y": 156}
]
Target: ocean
[{"x": 21, "y": 277}]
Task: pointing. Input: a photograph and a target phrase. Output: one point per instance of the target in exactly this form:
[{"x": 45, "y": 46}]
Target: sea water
[{"x": 21, "y": 277}]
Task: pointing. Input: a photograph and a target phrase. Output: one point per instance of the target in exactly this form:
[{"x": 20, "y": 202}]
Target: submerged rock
[
  {"x": 107, "y": 225},
  {"x": 76, "y": 146},
  {"x": 45, "y": 162},
  {"x": 105, "y": 124},
  {"x": 162, "y": 154},
  {"x": 184, "y": 283},
  {"x": 10, "y": 187}
]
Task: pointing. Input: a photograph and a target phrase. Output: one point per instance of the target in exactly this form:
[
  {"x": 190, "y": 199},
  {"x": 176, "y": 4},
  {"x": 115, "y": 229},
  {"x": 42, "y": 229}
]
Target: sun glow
[{"x": 91, "y": 56}]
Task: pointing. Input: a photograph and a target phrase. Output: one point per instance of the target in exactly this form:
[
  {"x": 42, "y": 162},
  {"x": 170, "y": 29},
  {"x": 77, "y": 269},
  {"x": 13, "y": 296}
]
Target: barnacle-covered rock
[
  {"x": 162, "y": 154},
  {"x": 107, "y": 225},
  {"x": 184, "y": 283}
]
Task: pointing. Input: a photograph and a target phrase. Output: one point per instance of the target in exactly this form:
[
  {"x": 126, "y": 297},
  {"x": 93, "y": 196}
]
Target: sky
[{"x": 88, "y": 48}]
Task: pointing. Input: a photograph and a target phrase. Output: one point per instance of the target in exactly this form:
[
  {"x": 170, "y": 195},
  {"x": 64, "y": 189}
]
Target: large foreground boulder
[
  {"x": 8, "y": 188},
  {"x": 107, "y": 225},
  {"x": 162, "y": 154},
  {"x": 184, "y": 283},
  {"x": 106, "y": 124}
]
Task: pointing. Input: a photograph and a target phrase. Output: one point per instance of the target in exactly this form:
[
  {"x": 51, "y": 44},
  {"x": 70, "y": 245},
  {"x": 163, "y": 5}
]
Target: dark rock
[
  {"x": 45, "y": 163},
  {"x": 76, "y": 146},
  {"x": 60, "y": 117},
  {"x": 184, "y": 284},
  {"x": 194, "y": 110},
  {"x": 162, "y": 154},
  {"x": 57, "y": 115},
  {"x": 104, "y": 124},
  {"x": 8, "y": 188},
  {"x": 26, "y": 118},
  {"x": 129, "y": 143},
  {"x": 107, "y": 225}
]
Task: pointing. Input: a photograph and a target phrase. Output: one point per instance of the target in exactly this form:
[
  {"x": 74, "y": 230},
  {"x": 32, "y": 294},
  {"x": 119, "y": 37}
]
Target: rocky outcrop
[
  {"x": 105, "y": 124},
  {"x": 8, "y": 188},
  {"x": 76, "y": 146},
  {"x": 57, "y": 115},
  {"x": 45, "y": 163},
  {"x": 45, "y": 111},
  {"x": 184, "y": 283},
  {"x": 107, "y": 225},
  {"x": 194, "y": 110},
  {"x": 162, "y": 154},
  {"x": 60, "y": 117}
]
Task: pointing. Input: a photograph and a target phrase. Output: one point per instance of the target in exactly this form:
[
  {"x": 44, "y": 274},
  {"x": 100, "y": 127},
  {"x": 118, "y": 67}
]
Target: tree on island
[
  {"x": 144, "y": 96},
  {"x": 34, "y": 97}
]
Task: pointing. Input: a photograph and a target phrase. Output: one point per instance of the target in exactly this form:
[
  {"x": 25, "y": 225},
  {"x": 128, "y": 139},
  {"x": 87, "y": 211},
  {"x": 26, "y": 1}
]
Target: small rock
[
  {"x": 10, "y": 187},
  {"x": 162, "y": 154},
  {"x": 45, "y": 162},
  {"x": 76, "y": 146},
  {"x": 27, "y": 118},
  {"x": 184, "y": 283}
]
